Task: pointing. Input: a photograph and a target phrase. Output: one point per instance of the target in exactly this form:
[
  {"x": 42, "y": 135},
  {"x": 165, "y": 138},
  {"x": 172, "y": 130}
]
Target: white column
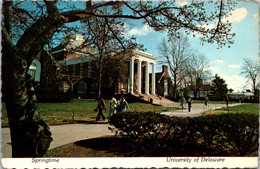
[
  {"x": 131, "y": 76},
  {"x": 139, "y": 67},
  {"x": 153, "y": 79},
  {"x": 147, "y": 78}
]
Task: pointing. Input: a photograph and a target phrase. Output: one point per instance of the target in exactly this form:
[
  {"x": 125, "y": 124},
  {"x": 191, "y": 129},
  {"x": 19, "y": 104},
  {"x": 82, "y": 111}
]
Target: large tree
[
  {"x": 197, "y": 72},
  {"x": 29, "y": 25},
  {"x": 105, "y": 36},
  {"x": 176, "y": 53},
  {"x": 250, "y": 70}
]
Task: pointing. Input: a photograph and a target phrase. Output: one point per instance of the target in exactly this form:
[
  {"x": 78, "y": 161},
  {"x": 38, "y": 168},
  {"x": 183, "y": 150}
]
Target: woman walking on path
[
  {"x": 189, "y": 103},
  {"x": 123, "y": 104},
  {"x": 101, "y": 106},
  {"x": 112, "y": 106},
  {"x": 182, "y": 102}
]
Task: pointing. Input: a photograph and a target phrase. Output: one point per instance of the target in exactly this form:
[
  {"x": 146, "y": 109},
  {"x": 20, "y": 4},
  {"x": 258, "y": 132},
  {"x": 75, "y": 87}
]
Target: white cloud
[
  {"x": 235, "y": 82},
  {"x": 143, "y": 31},
  {"x": 234, "y": 66},
  {"x": 211, "y": 68},
  {"x": 181, "y": 2},
  {"x": 219, "y": 61},
  {"x": 237, "y": 15},
  {"x": 210, "y": 26}
]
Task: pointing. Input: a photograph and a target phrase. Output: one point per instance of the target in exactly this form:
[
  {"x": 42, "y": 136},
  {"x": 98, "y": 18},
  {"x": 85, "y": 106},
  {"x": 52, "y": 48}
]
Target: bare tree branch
[
  {"x": 115, "y": 35},
  {"x": 7, "y": 15},
  {"x": 52, "y": 7},
  {"x": 250, "y": 70}
]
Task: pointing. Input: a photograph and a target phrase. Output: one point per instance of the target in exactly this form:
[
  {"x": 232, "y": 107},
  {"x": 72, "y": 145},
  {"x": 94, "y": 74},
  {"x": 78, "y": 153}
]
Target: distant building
[
  {"x": 164, "y": 85},
  {"x": 140, "y": 80},
  {"x": 241, "y": 95},
  {"x": 71, "y": 67},
  {"x": 204, "y": 90},
  {"x": 75, "y": 61}
]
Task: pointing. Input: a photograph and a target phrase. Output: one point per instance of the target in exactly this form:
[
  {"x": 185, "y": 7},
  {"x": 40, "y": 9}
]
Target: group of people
[
  {"x": 189, "y": 101},
  {"x": 114, "y": 106}
]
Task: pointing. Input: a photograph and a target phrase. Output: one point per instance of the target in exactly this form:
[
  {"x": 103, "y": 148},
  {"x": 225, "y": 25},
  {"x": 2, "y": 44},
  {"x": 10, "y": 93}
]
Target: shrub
[
  {"x": 241, "y": 132},
  {"x": 136, "y": 125},
  {"x": 224, "y": 134}
]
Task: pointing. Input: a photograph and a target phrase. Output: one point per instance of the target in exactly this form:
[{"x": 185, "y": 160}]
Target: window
[
  {"x": 82, "y": 87},
  {"x": 81, "y": 69},
  {"x": 74, "y": 69},
  {"x": 122, "y": 86},
  {"x": 89, "y": 71},
  {"x": 165, "y": 87},
  {"x": 32, "y": 70},
  {"x": 94, "y": 88}
]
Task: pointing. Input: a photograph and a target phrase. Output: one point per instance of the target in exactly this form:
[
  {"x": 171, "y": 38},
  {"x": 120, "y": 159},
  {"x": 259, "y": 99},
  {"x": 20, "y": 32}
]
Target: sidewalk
[
  {"x": 196, "y": 110},
  {"x": 61, "y": 134},
  {"x": 65, "y": 134}
]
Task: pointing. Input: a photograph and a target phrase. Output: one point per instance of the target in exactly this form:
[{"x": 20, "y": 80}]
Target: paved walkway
[
  {"x": 65, "y": 134},
  {"x": 61, "y": 134},
  {"x": 196, "y": 110}
]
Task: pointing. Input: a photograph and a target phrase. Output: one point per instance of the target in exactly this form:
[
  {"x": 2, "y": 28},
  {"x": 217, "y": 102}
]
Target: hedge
[{"x": 224, "y": 134}]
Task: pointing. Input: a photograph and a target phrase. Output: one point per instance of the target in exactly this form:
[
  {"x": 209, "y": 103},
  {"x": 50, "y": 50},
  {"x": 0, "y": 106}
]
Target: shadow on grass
[
  {"x": 111, "y": 146},
  {"x": 125, "y": 147},
  {"x": 91, "y": 120},
  {"x": 117, "y": 146}
]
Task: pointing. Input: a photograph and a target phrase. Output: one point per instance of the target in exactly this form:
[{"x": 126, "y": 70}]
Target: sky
[{"x": 226, "y": 62}]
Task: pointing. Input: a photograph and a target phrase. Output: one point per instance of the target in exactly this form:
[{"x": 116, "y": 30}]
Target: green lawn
[
  {"x": 212, "y": 102},
  {"x": 244, "y": 108},
  {"x": 62, "y": 113}
]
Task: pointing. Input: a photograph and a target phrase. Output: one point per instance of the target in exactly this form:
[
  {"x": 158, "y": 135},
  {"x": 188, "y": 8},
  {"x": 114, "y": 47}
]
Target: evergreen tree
[{"x": 219, "y": 88}]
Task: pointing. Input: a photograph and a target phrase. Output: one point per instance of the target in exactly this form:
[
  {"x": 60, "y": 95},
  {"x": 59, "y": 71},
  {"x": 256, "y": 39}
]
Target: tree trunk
[
  {"x": 195, "y": 94},
  {"x": 100, "y": 78},
  {"x": 255, "y": 91},
  {"x": 175, "y": 87},
  {"x": 30, "y": 136}
]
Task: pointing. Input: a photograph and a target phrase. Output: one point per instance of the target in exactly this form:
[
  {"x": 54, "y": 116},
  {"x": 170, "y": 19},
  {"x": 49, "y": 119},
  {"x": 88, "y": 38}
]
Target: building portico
[{"x": 141, "y": 59}]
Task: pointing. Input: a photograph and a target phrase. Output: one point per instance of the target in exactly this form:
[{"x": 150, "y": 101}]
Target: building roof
[
  {"x": 144, "y": 54},
  {"x": 73, "y": 61},
  {"x": 72, "y": 44},
  {"x": 74, "y": 50}
]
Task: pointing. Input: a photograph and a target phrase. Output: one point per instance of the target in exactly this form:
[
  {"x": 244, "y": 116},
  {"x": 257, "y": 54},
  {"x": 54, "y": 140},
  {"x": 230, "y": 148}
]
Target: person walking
[
  {"x": 206, "y": 101},
  {"x": 182, "y": 100},
  {"x": 123, "y": 104},
  {"x": 227, "y": 100},
  {"x": 100, "y": 107},
  {"x": 189, "y": 100},
  {"x": 112, "y": 106}
]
